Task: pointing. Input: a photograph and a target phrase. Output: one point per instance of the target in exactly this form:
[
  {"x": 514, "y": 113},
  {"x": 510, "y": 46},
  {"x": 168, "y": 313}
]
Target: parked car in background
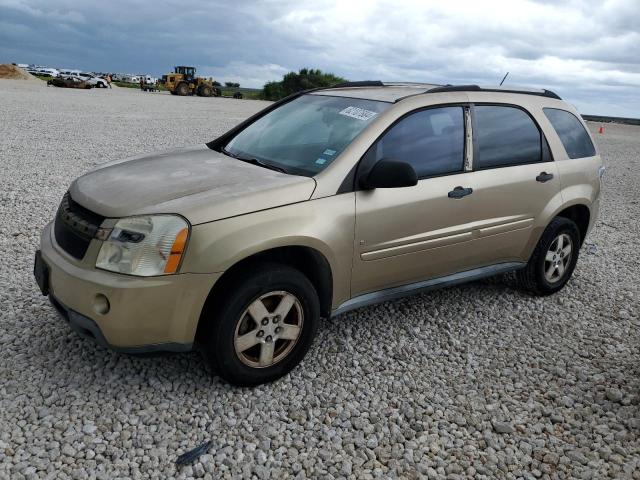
[
  {"x": 69, "y": 82},
  {"x": 93, "y": 80},
  {"x": 324, "y": 202},
  {"x": 47, "y": 72},
  {"x": 69, "y": 73}
]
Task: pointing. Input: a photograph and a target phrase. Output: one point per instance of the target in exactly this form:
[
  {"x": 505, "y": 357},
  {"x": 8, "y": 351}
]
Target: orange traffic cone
[{"x": 601, "y": 130}]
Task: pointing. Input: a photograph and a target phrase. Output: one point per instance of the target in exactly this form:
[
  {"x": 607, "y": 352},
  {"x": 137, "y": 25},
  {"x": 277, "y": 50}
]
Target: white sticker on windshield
[
  {"x": 329, "y": 152},
  {"x": 359, "y": 113}
]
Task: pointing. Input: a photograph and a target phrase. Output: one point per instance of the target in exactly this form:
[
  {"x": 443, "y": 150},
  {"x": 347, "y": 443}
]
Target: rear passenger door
[{"x": 516, "y": 184}]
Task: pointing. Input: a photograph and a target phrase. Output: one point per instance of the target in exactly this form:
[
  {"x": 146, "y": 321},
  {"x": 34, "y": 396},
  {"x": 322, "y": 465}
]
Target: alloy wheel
[
  {"x": 558, "y": 258},
  {"x": 268, "y": 329}
]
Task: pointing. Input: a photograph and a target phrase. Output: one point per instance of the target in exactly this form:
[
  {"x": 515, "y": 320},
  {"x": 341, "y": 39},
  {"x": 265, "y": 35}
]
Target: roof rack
[
  {"x": 434, "y": 88},
  {"x": 477, "y": 88},
  {"x": 361, "y": 83},
  {"x": 378, "y": 83}
]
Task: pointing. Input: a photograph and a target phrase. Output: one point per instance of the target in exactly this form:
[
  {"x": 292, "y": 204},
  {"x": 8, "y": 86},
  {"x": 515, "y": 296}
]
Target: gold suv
[{"x": 321, "y": 203}]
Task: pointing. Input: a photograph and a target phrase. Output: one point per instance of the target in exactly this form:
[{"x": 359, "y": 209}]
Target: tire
[
  {"x": 227, "y": 320},
  {"x": 550, "y": 255},
  {"x": 206, "y": 91},
  {"x": 182, "y": 89}
]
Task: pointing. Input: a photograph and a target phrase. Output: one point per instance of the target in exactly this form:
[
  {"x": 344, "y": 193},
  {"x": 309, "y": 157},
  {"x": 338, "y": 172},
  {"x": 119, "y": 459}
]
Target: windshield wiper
[
  {"x": 260, "y": 163},
  {"x": 254, "y": 161}
]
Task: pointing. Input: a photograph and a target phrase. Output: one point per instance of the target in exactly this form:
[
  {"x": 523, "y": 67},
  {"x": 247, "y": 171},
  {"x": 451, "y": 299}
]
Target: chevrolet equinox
[{"x": 323, "y": 202}]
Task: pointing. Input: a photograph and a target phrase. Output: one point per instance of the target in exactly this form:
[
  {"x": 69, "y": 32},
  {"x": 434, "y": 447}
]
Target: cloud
[
  {"x": 245, "y": 73},
  {"x": 585, "y": 49}
]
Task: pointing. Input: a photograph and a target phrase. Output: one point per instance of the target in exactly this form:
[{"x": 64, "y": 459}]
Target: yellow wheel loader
[{"x": 183, "y": 81}]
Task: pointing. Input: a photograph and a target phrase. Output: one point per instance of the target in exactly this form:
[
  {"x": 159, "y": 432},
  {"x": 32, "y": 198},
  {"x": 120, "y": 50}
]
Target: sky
[{"x": 587, "y": 51}]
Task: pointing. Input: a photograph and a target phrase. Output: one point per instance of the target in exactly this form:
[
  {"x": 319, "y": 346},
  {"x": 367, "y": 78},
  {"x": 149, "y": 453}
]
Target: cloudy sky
[{"x": 586, "y": 50}]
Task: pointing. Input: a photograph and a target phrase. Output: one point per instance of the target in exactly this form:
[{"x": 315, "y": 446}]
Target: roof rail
[
  {"x": 361, "y": 83},
  {"x": 411, "y": 84},
  {"x": 477, "y": 88},
  {"x": 378, "y": 83},
  {"x": 434, "y": 88}
]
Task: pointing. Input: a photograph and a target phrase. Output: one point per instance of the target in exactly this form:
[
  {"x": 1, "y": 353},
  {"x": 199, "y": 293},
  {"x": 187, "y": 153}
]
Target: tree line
[{"x": 294, "y": 82}]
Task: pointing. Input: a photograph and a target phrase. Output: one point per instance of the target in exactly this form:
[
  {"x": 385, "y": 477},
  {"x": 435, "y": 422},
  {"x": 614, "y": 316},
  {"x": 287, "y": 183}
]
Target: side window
[
  {"x": 431, "y": 140},
  {"x": 572, "y": 134},
  {"x": 505, "y": 136}
]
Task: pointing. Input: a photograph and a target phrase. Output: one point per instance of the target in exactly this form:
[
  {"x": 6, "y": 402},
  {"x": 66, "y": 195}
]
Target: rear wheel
[
  {"x": 261, "y": 326},
  {"x": 554, "y": 258},
  {"x": 182, "y": 89}
]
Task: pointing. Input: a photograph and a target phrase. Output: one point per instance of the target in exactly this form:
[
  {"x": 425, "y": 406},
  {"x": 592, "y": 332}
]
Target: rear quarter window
[{"x": 573, "y": 136}]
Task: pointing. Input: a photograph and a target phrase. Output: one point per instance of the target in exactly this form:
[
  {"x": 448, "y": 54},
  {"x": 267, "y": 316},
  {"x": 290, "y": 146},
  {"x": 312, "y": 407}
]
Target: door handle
[
  {"x": 544, "y": 177},
  {"x": 460, "y": 192}
]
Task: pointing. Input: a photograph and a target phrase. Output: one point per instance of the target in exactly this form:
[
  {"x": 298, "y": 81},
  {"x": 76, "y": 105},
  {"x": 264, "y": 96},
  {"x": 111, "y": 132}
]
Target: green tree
[{"x": 294, "y": 82}]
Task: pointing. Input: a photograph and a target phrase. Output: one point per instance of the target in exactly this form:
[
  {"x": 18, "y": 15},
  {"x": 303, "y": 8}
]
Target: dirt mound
[{"x": 14, "y": 73}]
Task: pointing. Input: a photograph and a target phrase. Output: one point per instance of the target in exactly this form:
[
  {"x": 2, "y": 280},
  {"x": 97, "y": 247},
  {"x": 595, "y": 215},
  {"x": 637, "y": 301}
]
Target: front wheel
[
  {"x": 182, "y": 89},
  {"x": 554, "y": 258},
  {"x": 261, "y": 326}
]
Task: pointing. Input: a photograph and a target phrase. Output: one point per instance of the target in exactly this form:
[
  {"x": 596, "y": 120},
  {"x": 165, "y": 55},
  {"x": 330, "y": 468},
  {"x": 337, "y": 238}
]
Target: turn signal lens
[{"x": 176, "y": 251}]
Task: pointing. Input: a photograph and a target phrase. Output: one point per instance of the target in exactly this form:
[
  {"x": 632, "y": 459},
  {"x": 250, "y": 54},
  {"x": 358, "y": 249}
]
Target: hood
[{"x": 197, "y": 182}]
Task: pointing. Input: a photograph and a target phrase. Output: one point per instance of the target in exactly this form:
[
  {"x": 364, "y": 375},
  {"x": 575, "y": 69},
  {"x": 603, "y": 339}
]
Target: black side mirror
[{"x": 390, "y": 174}]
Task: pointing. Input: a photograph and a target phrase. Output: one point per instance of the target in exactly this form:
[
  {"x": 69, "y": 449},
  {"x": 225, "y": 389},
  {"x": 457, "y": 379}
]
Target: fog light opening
[{"x": 101, "y": 304}]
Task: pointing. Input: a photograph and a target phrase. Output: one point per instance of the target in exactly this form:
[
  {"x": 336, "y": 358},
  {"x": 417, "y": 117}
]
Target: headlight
[{"x": 145, "y": 246}]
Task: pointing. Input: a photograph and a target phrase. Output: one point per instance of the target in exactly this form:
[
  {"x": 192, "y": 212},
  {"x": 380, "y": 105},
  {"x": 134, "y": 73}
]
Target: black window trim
[
  {"x": 546, "y": 155},
  {"x": 365, "y": 163}
]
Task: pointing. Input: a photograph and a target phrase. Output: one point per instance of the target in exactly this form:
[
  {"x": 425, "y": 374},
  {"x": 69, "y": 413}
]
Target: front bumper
[
  {"x": 87, "y": 328},
  {"x": 143, "y": 313}
]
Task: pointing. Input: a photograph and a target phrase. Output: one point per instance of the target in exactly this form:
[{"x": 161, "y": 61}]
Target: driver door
[{"x": 409, "y": 234}]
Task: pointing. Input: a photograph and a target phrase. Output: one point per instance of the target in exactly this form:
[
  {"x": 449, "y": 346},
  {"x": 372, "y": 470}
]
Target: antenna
[{"x": 504, "y": 78}]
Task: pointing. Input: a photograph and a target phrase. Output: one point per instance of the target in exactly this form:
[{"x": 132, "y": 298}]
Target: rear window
[
  {"x": 572, "y": 134},
  {"x": 506, "y": 136}
]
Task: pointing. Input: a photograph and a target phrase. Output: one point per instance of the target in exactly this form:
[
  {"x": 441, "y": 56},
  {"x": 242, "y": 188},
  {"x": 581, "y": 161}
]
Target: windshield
[{"x": 304, "y": 135}]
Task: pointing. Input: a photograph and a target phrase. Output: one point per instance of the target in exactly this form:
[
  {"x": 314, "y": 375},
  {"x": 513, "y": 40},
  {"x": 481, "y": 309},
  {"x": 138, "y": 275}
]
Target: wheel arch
[
  {"x": 310, "y": 261},
  {"x": 579, "y": 212}
]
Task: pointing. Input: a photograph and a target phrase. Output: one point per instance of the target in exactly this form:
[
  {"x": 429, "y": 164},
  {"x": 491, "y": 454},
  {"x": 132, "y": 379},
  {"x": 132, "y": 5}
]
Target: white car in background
[
  {"x": 91, "y": 79},
  {"x": 69, "y": 73},
  {"x": 47, "y": 72}
]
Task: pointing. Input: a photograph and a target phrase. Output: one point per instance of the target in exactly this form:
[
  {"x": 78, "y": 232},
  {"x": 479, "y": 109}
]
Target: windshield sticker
[
  {"x": 359, "y": 113},
  {"x": 321, "y": 161},
  {"x": 329, "y": 152}
]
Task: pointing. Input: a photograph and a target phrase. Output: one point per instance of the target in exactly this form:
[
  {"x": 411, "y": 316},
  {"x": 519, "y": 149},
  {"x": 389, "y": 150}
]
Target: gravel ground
[{"x": 480, "y": 380}]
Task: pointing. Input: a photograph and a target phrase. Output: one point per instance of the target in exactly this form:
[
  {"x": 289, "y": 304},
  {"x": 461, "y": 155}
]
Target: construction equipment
[{"x": 183, "y": 81}]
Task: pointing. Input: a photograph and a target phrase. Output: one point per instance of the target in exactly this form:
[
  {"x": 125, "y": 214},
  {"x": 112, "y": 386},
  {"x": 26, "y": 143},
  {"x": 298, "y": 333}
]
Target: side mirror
[{"x": 390, "y": 174}]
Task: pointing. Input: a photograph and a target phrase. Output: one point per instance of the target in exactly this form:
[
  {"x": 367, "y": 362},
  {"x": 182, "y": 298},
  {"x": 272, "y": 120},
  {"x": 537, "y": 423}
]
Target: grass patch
[
  {"x": 248, "y": 93},
  {"x": 134, "y": 85}
]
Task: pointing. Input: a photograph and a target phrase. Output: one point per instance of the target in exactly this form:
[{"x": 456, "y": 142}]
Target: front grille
[{"x": 75, "y": 226}]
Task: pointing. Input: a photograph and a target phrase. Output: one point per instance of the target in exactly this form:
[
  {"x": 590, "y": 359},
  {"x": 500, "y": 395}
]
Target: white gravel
[{"x": 479, "y": 380}]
